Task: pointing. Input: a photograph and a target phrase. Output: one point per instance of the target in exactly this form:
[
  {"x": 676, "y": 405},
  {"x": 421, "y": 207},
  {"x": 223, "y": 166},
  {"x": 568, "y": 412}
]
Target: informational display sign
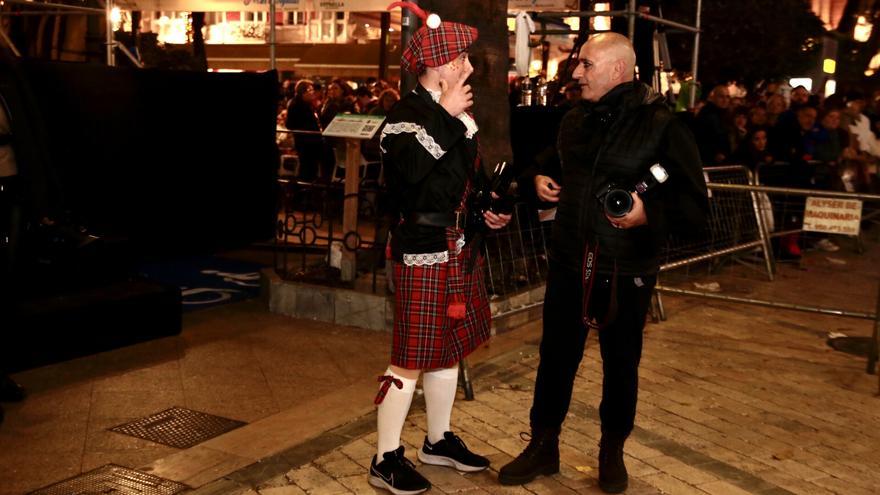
[
  {"x": 354, "y": 126},
  {"x": 833, "y": 216},
  {"x": 542, "y": 5}
]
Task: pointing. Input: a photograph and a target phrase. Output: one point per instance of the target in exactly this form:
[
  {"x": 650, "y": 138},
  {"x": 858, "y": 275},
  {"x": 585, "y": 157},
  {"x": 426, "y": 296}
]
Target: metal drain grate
[
  {"x": 113, "y": 479},
  {"x": 178, "y": 427}
]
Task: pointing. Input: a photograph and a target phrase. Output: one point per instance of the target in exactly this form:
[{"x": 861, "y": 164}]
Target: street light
[
  {"x": 830, "y": 87},
  {"x": 115, "y": 17},
  {"x": 862, "y": 31},
  {"x": 602, "y": 23}
]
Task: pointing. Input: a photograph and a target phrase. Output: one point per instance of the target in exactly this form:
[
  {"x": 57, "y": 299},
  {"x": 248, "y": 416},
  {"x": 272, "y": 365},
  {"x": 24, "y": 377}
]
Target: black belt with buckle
[{"x": 457, "y": 219}]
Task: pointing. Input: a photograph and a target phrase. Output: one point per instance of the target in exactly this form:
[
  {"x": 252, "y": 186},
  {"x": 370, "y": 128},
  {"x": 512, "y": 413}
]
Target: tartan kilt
[{"x": 424, "y": 336}]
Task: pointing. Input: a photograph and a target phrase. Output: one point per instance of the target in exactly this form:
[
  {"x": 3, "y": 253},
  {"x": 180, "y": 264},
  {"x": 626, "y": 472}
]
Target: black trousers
[{"x": 562, "y": 347}]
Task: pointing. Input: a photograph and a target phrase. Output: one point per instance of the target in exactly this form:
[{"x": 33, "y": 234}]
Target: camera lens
[{"x": 618, "y": 203}]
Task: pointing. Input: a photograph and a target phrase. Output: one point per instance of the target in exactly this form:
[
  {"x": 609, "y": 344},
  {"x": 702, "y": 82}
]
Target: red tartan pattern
[
  {"x": 424, "y": 336},
  {"x": 436, "y": 47}
]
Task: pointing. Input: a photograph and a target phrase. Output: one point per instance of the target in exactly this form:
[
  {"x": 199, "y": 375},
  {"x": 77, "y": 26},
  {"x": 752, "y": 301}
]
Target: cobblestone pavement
[{"x": 732, "y": 402}]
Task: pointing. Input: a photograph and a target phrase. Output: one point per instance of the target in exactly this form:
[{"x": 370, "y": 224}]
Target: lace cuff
[
  {"x": 426, "y": 259},
  {"x": 422, "y": 137}
]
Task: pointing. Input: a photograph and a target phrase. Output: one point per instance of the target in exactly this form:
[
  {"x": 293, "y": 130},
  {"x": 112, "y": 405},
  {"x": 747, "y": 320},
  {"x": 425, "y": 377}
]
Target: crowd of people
[
  {"x": 835, "y": 139},
  {"x": 838, "y": 137},
  {"x": 788, "y": 136},
  {"x": 309, "y": 105}
]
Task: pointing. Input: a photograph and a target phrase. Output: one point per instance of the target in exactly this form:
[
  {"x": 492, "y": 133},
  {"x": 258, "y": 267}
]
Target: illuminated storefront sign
[
  {"x": 254, "y": 5},
  {"x": 542, "y": 5}
]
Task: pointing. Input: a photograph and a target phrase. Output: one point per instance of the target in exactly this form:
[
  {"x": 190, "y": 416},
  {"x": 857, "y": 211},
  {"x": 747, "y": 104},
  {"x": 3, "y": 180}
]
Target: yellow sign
[
  {"x": 833, "y": 216},
  {"x": 829, "y": 65}
]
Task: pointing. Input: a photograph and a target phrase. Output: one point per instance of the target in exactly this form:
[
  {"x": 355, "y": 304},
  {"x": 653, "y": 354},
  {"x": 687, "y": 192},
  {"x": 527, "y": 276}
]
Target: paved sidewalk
[
  {"x": 732, "y": 402},
  {"x": 734, "y": 399}
]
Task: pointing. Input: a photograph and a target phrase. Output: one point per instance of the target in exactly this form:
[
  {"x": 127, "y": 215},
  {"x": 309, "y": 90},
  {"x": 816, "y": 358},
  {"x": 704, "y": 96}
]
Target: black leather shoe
[
  {"x": 10, "y": 391},
  {"x": 541, "y": 456},
  {"x": 612, "y": 471}
]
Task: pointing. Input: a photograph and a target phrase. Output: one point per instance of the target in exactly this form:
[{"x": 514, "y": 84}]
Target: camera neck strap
[
  {"x": 591, "y": 260},
  {"x": 611, "y": 121}
]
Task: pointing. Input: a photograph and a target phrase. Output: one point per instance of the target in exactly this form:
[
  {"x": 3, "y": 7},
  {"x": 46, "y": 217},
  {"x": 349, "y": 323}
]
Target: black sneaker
[
  {"x": 451, "y": 451},
  {"x": 397, "y": 474}
]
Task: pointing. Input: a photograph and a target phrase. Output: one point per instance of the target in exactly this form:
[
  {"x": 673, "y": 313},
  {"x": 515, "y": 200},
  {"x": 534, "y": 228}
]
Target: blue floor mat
[{"x": 207, "y": 281}]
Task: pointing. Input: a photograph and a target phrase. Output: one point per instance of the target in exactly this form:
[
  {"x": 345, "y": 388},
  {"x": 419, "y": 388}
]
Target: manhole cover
[
  {"x": 178, "y": 427},
  {"x": 113, "y": 479}
]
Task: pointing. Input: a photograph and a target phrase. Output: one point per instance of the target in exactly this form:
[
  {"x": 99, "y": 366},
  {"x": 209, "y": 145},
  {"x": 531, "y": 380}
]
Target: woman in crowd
[
  {"x": 752, "y": 151},
  {"x": 387, "y": 99},
  {"x": 301, "y": 116}
]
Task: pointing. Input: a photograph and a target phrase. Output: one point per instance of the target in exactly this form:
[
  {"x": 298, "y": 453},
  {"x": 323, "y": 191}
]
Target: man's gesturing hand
[{"x": 456, "y": 98}]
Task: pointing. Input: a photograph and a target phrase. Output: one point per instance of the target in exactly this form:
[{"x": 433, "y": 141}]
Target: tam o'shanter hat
[{"x": 436, "y": 43}]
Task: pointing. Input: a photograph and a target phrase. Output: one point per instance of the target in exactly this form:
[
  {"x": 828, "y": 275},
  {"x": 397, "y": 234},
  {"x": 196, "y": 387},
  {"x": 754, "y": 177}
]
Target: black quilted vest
[{"x": 615, "y": 140}]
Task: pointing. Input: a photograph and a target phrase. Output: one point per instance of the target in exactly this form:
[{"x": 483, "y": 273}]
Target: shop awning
[
  {"x": 253, "y": 5},
  {"x": 311, "y": 5}
]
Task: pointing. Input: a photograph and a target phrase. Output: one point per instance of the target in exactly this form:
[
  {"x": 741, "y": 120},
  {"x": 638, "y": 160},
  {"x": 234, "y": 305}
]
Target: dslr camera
[
  {"x": 481, "y": 200},
  {"x": 617, "y": 201}
]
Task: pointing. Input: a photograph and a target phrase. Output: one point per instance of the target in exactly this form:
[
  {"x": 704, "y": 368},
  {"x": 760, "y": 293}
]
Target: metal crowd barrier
[
  {"x": 745, "y": 221},
  {"x": 516, "y": 256},
  {"x": 309, "y": 235}
]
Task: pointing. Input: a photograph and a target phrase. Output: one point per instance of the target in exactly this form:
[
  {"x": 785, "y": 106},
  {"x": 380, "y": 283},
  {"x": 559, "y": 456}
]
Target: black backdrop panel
[{"x": 170, "y": 160}]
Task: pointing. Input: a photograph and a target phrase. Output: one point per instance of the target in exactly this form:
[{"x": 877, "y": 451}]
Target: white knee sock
[
  {"x": 440, "y": 387},
  {"x": 392, "y": 413}
]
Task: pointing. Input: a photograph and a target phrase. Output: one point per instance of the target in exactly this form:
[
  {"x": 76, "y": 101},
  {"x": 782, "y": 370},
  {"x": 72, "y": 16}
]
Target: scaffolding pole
[
  {"x": 631, "y": 20},
  {"x": 631, "y": 13},
  {"x": 60, "y": 6},
  {"x": 692, "y": 98},
  {"x": 272, "y": 61},
  {"x": 9, "y": 43},
  {"x": 108, "y": 20}
]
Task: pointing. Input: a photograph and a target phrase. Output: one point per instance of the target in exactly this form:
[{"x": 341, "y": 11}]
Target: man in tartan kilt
[{"x": 431, "y": 158}]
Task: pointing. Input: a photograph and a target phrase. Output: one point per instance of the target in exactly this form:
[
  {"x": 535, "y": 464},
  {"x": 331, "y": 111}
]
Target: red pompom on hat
[{"x": 436, "y": 43}]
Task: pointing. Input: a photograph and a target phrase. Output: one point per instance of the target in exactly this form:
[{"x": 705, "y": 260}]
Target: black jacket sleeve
[
  {"x": 680, "y": 205},
  {"x": 417, "y": 145}
]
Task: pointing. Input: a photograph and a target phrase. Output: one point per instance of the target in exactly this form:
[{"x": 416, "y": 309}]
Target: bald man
[{"x": 603, "y": 267}]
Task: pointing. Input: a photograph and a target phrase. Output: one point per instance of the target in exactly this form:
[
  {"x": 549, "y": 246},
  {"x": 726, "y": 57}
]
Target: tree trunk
[
  {"x": 491, "y": 60},
  {"x": 136, "y": 17},
  {"x": 198, "y": 44}
]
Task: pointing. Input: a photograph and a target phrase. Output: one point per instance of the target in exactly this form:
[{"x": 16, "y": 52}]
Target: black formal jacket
[
  {"x": 429, "y": 158},
  {"x": 617, "y": 140}
]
